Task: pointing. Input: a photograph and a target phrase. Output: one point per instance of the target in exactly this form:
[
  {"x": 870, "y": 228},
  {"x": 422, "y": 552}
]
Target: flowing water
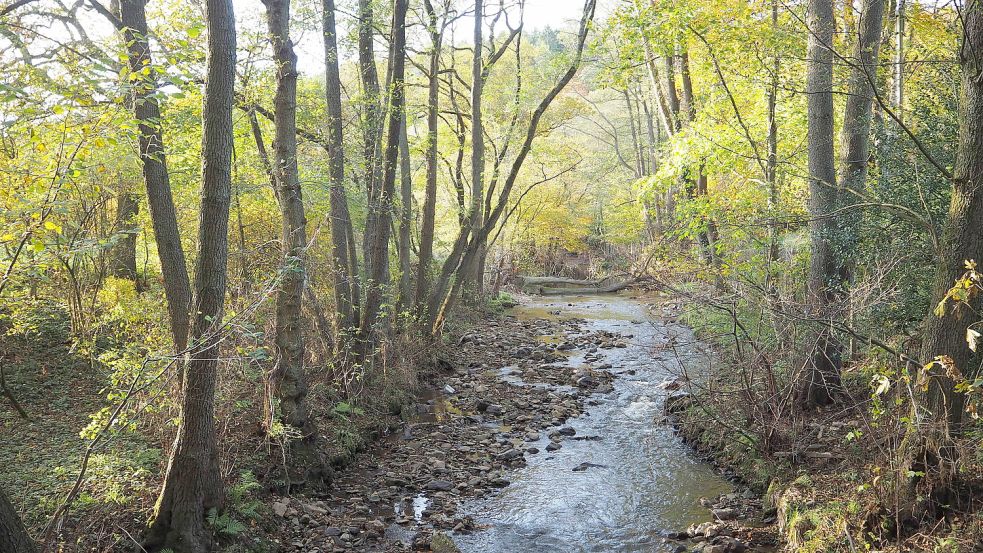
[{"x": 641, "y": 481}]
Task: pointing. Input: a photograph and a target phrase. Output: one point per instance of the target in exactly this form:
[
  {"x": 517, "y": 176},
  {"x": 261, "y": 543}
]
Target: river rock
[
  {"x": 440, "y": 485},
  {"x": 725, "y": 514},
  {"x": 510, "y": 455}
]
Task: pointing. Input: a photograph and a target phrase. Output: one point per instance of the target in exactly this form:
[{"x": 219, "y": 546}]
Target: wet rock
[
  {"x": 725, "y": 514},
  {"x": 677, "y": 402},
  {"x": 553, "y": 446},
  {"x": 584, "y": 466},
  {"x": 586, "y": 382},
  {"x": 440, "y": 485},
  {"x": 566, "y": 431},
  {"x": 706, "y": 530},
  {"x": 510, "y": 455}
]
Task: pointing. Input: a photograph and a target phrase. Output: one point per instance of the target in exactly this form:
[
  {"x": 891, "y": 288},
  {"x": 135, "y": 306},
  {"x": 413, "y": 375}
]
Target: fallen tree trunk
[
  {"x": 609, "y": 289},
  {"x": 532, "y": 282}
]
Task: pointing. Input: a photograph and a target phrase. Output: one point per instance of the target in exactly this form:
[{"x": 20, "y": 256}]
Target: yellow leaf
[{"x": 972, "y": 338}]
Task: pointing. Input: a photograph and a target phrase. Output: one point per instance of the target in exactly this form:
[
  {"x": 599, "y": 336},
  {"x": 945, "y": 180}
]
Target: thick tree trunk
[
  {"x": 13, "y": 536},
  {"x": 287, "y": 382},
  {"x": 344, "y": 258},
  {"x": 378, "y": 261},
  {"x": 427, "y": 223},
  {"x": 821, "y": 376},
  {"x": 855, "y": 134},
  {"x": 192, "y": 484},
  {"x": 163, "y": 215},
  {"x": 123, "y": 262},
  {"x": 939, "y": 411}
]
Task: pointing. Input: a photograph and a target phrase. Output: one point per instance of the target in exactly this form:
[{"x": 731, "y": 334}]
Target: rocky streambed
[{"x": 545, "y": 436}]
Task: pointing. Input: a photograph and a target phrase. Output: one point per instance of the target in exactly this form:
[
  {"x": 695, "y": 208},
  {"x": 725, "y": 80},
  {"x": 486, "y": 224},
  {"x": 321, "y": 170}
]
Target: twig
[{"x": 10, "y": 395}]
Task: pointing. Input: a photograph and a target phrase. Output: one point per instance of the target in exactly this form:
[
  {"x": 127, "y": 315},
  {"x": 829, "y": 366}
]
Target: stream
[{"x": 635, "y": 478}]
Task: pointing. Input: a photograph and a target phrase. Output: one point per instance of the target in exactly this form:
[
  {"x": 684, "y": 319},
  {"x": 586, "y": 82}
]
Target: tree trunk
[
  {"x": 471, "y": 272},
  {"x": 855, "y": 134},
  {"x": 13, "y": 536},
  {"x": 344, "y": 258},
  {"x": 821, "y": 376},
  {"x": 771, "y": 172},
  {"x": 405, "y": 218},
  {"x": 939, "y": 412},
  {"x": 698, "y": 186},
  {"x": 378, "y": 261},
  {"x": 372, "y": 122},
  {"x": 123, "y": 263},
  {"x": 427, "y": 223},
  {"x": 286, "y": 395},
  {"x": 192, "y": 484},
  {"x": 163, "y": 215},
  {"x": 897, "y": 92}
]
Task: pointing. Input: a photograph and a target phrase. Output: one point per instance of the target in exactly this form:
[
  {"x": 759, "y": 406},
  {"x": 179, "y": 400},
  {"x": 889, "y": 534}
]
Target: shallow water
[{"x": 642, "y": 480}]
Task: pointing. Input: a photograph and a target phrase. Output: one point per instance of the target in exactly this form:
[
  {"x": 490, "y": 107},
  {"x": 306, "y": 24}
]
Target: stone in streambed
[
  {"x": 510, "y": 455},
  {"x": 440, "y": 485}
]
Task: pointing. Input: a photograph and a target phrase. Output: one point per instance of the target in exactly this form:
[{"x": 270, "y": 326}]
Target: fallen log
[
  {"x": 609, "y": 289},
  {"x": 533, "y": 281}
]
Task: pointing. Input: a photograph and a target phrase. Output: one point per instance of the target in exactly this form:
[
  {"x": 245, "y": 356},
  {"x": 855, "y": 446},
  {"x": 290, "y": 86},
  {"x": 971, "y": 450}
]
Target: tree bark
[
  {"x": 163, "y": 215},
  {"x": 123, "y": 263},
  {"x": 428, "y": 220},
  {"x": 13, "y": 535},
  {"x": 771, "y": 166},
  {"x": 855, "y": 134},
  {"x": 686, "y": 114},
  {"x": 405, "y": 218},
  {"x": 939, "y": 412},
  {"x": 470, "y": 273},
  {"x": 372, "y": 122},
  {"x": 897, "y": 91},
  {"x": 821, "y": 376},
  {"x": 192, "y": 484},
  {"x": 287, "y": 382},
  {"x": 344, "y": 258},
  {"x": 378, "y": 261}
]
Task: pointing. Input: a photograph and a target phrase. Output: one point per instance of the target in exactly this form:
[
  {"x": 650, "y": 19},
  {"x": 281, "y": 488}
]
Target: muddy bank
[{"x": 544, "y": 435}]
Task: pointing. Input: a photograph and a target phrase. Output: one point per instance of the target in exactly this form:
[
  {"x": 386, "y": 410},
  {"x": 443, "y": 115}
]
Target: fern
[{"x": 225, "y": 524}]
